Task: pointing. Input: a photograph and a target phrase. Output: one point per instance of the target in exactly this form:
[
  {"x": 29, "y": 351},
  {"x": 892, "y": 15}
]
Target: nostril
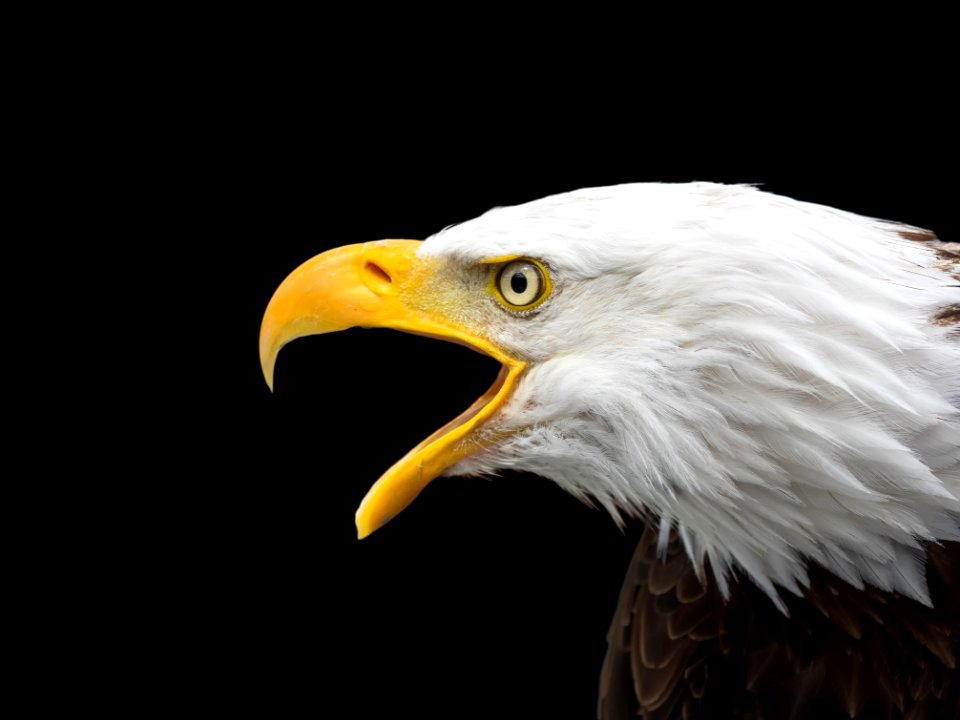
[{"x": 378, "y": 272}]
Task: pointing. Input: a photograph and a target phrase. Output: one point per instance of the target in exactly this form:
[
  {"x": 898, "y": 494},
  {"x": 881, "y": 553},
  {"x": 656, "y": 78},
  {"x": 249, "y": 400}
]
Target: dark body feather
[{"x": 677, "y": 649}]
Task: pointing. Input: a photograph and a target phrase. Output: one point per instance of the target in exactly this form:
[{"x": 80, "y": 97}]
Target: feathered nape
[{"x": 775, "y": 380}]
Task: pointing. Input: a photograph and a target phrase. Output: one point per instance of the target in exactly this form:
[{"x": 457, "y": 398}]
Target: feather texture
[
  {"x": 842, "y": 653},
  {"x": 775, "y": 381}
]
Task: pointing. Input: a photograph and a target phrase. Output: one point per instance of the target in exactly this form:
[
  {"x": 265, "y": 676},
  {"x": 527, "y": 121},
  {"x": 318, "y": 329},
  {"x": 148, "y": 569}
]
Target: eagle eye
[{"x": 522, "y": 284}]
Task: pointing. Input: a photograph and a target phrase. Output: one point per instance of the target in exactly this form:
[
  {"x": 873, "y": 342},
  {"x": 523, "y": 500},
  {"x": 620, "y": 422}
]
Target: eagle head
[{"x": 760, "y": 375}]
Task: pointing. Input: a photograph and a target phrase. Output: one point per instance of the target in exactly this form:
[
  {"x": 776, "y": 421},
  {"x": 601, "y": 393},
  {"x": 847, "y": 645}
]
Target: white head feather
[{"x": 759, "y": 373}]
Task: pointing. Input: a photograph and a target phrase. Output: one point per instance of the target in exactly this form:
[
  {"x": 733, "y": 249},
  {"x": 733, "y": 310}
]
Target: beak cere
[{"x": 365, "y": 286}]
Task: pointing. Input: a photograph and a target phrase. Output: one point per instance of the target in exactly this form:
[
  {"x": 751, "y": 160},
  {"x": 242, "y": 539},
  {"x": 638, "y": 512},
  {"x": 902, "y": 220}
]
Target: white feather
[{"x": 758, "y": 372}]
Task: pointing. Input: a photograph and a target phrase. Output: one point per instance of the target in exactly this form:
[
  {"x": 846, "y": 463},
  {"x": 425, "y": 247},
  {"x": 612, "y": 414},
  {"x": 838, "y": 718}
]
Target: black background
[{"x": 483, "y": 598}]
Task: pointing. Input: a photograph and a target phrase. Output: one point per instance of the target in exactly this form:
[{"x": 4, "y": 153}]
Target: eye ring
[{"x": 522, "y": 284}]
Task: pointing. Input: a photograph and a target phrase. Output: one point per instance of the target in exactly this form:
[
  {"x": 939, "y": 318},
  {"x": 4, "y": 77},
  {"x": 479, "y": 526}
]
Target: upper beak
[
  {"x": 351, "y": 286},
  {"x": 362, "y": 285}
]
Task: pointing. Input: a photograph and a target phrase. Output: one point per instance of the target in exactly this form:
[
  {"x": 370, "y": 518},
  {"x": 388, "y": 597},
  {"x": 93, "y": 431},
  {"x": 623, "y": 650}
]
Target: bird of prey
[{"x": 771, "y": 386}]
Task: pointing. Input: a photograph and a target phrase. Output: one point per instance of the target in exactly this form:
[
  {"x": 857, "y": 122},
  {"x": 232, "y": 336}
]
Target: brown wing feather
[
  {"x": 653, "y": 665},
  {"x": 677, "y": 649}
]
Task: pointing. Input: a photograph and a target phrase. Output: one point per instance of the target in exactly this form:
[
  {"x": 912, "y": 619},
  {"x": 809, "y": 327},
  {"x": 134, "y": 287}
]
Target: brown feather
[
  {"x": 950, "y": 315},
  {"x": 949, "y": 261},
  {"x": 664, "y": 576},
  {"x": 687, "y": 618},
  {"x": 690, "y": 589},
  {"x": 933, "y": 637},
  {"x": 678, "y": 649}
]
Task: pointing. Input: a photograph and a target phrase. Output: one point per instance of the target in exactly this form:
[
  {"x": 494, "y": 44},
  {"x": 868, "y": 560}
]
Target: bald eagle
[{"x": 771, "y": 386}]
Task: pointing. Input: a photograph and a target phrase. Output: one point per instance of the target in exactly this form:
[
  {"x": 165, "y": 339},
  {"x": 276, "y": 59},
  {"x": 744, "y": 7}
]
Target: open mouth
[
  {"x": 465, "y": 418},
  {"x": 364, "y": 286},
  {"x": 462, "y": 436}
]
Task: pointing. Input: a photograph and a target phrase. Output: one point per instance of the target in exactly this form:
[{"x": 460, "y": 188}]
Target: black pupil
[{"x": 518, "y": 283}]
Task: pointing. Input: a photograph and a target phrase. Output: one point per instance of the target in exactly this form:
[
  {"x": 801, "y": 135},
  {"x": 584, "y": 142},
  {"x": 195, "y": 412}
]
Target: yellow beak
[{"x": 366, "y": 286}]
